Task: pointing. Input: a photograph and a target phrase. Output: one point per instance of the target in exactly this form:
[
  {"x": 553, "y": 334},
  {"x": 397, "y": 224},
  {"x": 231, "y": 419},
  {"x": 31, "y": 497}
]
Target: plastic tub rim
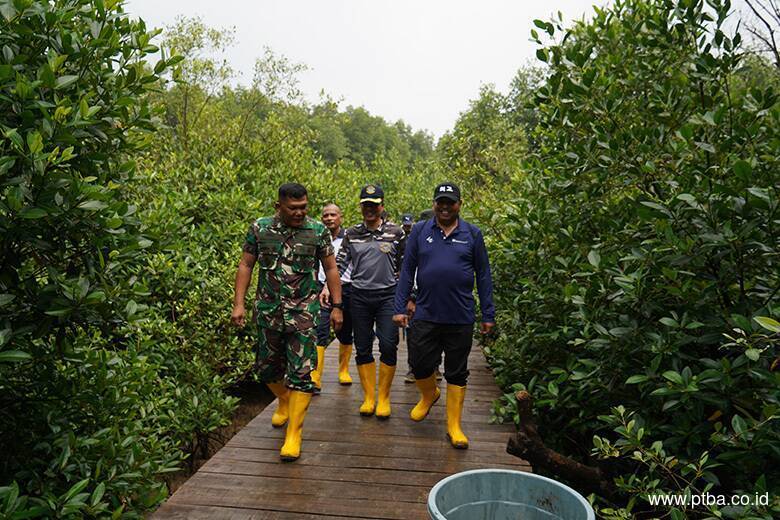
[{"x": 433, "y": 509}]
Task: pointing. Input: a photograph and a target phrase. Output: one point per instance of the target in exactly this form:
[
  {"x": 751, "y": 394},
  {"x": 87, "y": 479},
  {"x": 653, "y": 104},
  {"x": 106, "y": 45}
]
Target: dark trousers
[
  {"x": 323, "y": 326},
  {"x": 427, "y": 341},
  {"x": 370, "y": 308}
]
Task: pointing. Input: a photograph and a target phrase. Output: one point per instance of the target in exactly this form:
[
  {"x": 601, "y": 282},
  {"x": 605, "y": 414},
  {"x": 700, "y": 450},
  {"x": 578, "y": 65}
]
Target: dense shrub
[
  {"x": 92, "y": 414},
  {"x": 637, "y": 269}
]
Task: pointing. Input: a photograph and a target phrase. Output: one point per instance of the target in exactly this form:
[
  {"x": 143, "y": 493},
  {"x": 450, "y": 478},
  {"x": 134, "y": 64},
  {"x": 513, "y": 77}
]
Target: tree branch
[
  {"x": 528, "y": 445},
  {"x": 774, "y": 15}
]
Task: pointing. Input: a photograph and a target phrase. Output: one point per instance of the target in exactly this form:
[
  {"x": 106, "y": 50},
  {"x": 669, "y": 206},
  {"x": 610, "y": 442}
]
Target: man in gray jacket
[{"x": 375, "y": 249}]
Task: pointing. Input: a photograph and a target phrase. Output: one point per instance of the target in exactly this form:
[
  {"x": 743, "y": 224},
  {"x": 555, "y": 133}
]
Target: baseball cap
[
  {"x": 447, "y": 190},
  {"x": 372, "y": 193},
  {"x": 407, "y": 218}
]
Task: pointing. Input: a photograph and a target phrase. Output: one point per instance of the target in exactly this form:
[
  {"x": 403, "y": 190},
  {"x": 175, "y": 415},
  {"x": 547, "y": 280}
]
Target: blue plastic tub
[{"x": 498, "y": 494}]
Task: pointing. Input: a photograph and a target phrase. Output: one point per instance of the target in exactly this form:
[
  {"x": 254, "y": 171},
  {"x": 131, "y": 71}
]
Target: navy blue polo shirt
[{"x": 446, "y": 269}]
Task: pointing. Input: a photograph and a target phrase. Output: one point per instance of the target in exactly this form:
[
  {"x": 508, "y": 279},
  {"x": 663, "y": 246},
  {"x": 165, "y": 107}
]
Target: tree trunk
[{"x": 528, "y": 445}]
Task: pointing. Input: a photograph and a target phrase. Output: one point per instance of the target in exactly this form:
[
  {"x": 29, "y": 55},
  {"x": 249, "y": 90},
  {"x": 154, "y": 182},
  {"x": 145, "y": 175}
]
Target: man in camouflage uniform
[{"x": 287, "y": 248}]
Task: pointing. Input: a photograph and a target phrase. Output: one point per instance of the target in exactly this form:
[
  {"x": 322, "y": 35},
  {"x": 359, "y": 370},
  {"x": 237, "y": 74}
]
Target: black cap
[
  {"x": 406, "y": 219},
  {"x": 372, "y": 193},
  {"x": 447, "y": 190}
]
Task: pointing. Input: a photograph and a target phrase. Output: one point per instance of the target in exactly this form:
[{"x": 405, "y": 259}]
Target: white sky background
[{"x": 420, "y": 61}]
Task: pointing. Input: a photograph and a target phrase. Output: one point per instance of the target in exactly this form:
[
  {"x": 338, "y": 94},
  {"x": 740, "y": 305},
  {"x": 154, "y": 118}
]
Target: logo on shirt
[
  {"x": 455, "y": 240},
  {"x": 429, "y": 240}
]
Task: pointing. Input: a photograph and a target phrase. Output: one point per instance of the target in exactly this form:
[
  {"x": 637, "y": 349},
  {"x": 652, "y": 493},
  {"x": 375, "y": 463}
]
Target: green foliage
[
  {"x": 201, "y": 102},
  {"x": 637, "y": 268},
  {"x": 358, "y": 137},
  {"x": 203, "y": 47},
  {"x": 487, "y": 143},
  {"x": 370, "y": 138},
  {"x": 486, "y": 148},
  {"x": 102, "y": 409},
  {"x": 67, "y": 131}
]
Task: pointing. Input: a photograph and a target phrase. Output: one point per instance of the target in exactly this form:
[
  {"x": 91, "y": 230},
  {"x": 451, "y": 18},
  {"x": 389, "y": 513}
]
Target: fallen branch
[{"x": 528, "y": 445}]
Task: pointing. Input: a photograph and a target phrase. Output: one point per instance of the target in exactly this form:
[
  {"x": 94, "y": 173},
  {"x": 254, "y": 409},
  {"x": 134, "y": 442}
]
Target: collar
[
  {"x": 278, "y": 224},
  {"x": 381, "y": 227},
  {"x": 461, "y": 224}
]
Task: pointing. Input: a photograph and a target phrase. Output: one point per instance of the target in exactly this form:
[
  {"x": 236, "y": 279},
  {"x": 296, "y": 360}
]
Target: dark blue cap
[{"x": 372, "y": 193}]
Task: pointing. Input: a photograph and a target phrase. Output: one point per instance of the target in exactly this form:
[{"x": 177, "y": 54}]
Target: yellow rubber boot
[
  {"x": 345, "y": 352},
  {"x": 429, "y": 394},
  {"x": 316, "y": 374},
  {"x": 282, "y": 409},
  {"x": 299, "y": 403},
  {"x": 386, "y": 373},
  {"x": 455, "y": 396},
  {"x": 367, "y": 372}
]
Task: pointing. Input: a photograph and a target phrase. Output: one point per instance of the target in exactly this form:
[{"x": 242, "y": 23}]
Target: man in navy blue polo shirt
[{"x": 448, "y": 254}]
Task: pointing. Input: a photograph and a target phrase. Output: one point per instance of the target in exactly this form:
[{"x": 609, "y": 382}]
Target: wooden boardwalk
[{"x": 350, "y": 466}]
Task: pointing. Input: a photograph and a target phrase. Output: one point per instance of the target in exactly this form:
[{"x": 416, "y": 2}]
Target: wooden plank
[
  {"x": 308, "y": 496},
  {"x": 340, "y": 449},
  {"x": 250, "y": 437},
  {"x": 239, "y": 489},
  {"x": 188, "y": 512},
  {"x": 409, "y": 395},
  {"x": 293, "y": 507},
  {"x": 350, "y": 466},
  {"x": 357, "y": 475},
  {"x": 401, "y": 410},
  {"x": 452, "y": 464},
  {"x": 432, "y": 427}
]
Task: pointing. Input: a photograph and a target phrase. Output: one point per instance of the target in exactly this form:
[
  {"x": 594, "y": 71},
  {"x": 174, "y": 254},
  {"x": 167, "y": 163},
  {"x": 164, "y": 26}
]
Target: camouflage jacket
[{"x": 287, "y": 262}]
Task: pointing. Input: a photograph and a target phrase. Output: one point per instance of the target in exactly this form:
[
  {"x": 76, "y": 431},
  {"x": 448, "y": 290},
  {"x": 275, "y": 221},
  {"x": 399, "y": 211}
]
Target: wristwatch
[{"x": 339, "y": 305}]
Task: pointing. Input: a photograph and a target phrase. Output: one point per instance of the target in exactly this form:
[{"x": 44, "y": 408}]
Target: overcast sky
[{"x": 420, "y": 61}]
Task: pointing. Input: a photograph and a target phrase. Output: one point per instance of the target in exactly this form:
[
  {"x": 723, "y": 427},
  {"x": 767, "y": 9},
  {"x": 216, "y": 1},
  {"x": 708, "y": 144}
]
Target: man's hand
[
  {"x": 336, "y": 319},
  {"x": 243, "y": 277},
  {"x": 325, "y": 297},
  {"x": 410, "y": 308},
  {"x": 238, "y": 316},
  {"x": 486, "y": 327},
  {"x": 402, "y": 320}
]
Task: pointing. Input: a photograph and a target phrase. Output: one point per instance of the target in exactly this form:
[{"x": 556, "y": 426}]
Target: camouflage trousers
[{"x": 289, "y": 354}]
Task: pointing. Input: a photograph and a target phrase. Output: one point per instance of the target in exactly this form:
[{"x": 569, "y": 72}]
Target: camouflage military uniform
[{"x": 286, "y": 302}]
